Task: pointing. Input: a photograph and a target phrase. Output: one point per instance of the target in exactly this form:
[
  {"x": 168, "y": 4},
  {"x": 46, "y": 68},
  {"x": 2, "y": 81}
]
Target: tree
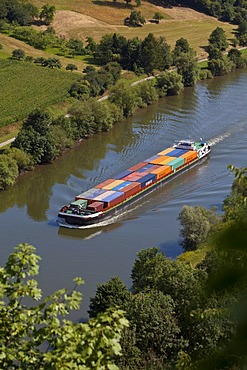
[
  {"x": 23, "y": 160},
  {"x": 28, "y": 329},
  {"x": 157, "y": 333},
  {"x": 158, "y": 16},
  {"x": 197, "y": 223},
  {"x": 187, "y": 67},
  {"x": 47, "y": 13},
  {"x": 235, "y": 203},
  {"x": 135, "y": 19},
  {"x": 169, "y": 83},
  {"x": 242, "y": 33},
  {"x": 71, "y": 67},
  {"x": 219, "y": 67},
  {"x": 214, "y": 53},
  {"x": 125, "y": 98},
  {"x": 113, "y": 294},
  {"x": 147, "y": 92},
  {"x": 184, "y": 58},
  {"x": 18, "y": 54},
  {"x": 147, "y": 270},
  {"x": 218, "y": 39},
  {"x": 52, "y": 63},
  {"x": 35, "y": 137},
  {"x": 181, "y": 46},
  {"x": 8, "y": 171}
]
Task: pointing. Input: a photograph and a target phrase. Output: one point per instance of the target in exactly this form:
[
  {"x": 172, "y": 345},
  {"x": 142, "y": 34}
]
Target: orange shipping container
[
  {"x": 102, "y": 184},
  {"x": 167, "y": 160},
  {"x": 164, "y": 152},
  {"x": 189, "y": 156},
  {"x": 112, "y": 184},
  {"x": 162, "y": 171},
  {"x": 160, "y": 159}
]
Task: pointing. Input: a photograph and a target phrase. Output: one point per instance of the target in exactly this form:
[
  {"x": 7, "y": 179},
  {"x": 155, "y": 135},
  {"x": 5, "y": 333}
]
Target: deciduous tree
[{"x": 30, "y": 324}]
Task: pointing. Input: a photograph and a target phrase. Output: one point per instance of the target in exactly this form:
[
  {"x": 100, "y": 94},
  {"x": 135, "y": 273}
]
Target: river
[{"x": 215, "y": 110}]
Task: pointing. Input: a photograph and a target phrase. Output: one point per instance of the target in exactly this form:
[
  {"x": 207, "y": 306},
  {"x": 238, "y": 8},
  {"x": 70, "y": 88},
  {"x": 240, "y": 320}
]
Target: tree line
[{"x": 178, "y": 314}]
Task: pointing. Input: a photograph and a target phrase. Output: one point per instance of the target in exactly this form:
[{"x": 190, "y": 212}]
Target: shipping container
[
  {"x": 149, "y": 160},
  {"x": 96, "y": 206},
  {"x": 131, "y": 189},
  {"x": 162, "y": 171},
  {"x": 147, "y": 179},
  {"x": 113, "y": 199},
  {"x": 147, "y": 168},
  {"x": 104, "y": 195},
  {"x": 122, "y": 175},
  {"x": 166, "y": 151},
  {"x": 79, "y": 203},
  {"x": 189, "y": 156},
  {"x": 175, "y": 163},
  {"x": 137, "y": 166},
  {"x": 122, "y": 186},
  {"x": 167, "y": 160},
  {"x": 102, "y": 184},
  {"x": 175, "y": 153},
  {"x": 90, "y": 194},
  {"x": 159, "y": 159},
  {"x": 113, "y": 184}
]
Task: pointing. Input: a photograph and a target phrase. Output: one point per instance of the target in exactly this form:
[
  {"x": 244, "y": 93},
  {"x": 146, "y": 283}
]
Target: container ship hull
[{"x": 114, "y": 195}]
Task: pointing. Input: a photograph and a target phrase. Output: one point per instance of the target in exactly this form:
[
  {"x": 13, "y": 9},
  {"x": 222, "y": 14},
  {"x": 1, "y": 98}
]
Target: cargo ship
[{"x": 111, "y": 196}]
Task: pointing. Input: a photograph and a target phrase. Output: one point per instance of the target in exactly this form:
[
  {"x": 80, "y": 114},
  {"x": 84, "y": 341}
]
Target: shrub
[{"x": 8, "y": 171}]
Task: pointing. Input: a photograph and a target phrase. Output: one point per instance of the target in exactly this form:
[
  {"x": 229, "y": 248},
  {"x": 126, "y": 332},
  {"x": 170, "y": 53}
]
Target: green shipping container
[{"x": 175, "y": 163}]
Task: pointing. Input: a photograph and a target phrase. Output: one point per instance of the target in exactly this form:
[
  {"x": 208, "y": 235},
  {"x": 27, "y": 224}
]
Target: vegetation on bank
[{"x": 176, "y": 315}]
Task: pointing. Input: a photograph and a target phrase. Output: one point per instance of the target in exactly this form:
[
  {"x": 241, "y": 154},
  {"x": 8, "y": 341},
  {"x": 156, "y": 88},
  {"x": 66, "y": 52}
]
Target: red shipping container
[
  {"x": 96, "y": 206},
  {"x": 137, "y": 166},
  {"x": 131, "y": 189}
]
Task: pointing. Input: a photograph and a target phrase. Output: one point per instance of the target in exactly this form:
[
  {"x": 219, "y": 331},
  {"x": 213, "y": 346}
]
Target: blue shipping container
[
  {"x": 146, "y": 167},
  {"x": 121, "y": 186},
  {"x": 147, "y": 179},
  {"x": 152, "y": 158},
  {"x": 122, "y": 174},
  {"x": 113, "y": 196}
]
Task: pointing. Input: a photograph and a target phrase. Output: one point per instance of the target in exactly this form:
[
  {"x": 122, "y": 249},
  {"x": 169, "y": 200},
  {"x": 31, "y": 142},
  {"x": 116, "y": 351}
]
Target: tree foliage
[
  {"x": 218, "y": 39},
  {"x": 135, "y": 19},
  {"x": 27, "y": 329},
  {"x": 35, "y": 137},
  {"x": 47, "y": 13},
  {"x": 197, "y": 224},
  {"x": 8, "y": 171}
]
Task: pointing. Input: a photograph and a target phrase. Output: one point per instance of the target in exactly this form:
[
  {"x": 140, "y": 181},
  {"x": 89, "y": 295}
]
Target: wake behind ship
[{"x": 109, "y": 197}]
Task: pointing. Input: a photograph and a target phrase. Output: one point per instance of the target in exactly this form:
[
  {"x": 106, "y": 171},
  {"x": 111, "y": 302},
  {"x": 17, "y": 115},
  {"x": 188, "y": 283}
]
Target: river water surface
[{"x": 215, "y": 110}]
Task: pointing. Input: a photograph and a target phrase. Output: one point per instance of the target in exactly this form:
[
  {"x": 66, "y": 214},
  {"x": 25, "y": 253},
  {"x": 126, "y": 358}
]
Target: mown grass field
[{"x": 27, "y": 86}]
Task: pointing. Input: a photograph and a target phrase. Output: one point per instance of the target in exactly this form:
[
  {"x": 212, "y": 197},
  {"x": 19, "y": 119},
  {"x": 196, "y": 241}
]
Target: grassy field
[
  {"x": 96, "y": 18},
  {"x": 27, "y": 86}
]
